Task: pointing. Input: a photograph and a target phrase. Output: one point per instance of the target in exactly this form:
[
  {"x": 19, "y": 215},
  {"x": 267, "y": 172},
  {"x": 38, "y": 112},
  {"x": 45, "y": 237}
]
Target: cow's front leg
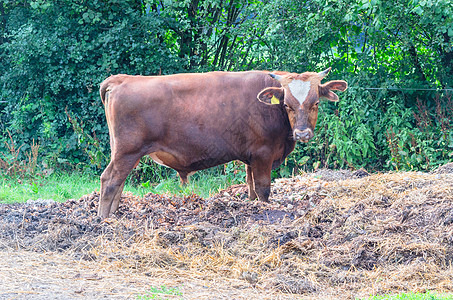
[
  {"x": 250, "y": 184},
  {"x": 261, "y": 171}
]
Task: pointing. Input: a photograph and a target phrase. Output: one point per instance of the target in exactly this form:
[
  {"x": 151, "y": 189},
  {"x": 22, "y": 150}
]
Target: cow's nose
[{"x": 303, "y": 135}]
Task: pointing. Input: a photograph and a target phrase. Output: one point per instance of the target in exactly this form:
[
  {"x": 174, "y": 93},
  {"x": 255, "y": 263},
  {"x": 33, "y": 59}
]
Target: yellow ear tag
[{"x": 274, "y": 100}]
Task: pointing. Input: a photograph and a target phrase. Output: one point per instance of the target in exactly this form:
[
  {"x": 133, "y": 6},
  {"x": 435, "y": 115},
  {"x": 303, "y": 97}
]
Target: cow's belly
[
  {"x": 158, "y": 160},
  {"x": 169, "y": 160},
  {"x": 188, "y": 163}
]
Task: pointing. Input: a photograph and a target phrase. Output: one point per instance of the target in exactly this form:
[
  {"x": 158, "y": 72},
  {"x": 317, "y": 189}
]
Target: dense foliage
[{"x": 395, "y": 55}]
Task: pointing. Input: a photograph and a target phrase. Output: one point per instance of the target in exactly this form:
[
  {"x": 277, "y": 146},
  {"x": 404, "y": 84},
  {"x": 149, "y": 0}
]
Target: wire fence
[
  {"x": 376, "y": 88},
  {"x": 398, "y": 89}
]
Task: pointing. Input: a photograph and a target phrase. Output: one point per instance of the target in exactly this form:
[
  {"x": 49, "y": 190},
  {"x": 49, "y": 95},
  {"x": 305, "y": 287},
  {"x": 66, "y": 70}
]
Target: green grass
[
  {"x": 59, "y": 187},
  {"x": 201, "y": 184},
  {"x": 414, "y": 296},
  {"x": 159, "y": 292},
  {"x": 64, "y": 186}
]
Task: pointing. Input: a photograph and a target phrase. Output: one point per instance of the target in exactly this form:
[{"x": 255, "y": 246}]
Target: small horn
[
  {"x": 324, "y": 73},
  {"x": 276, "y": 77}
]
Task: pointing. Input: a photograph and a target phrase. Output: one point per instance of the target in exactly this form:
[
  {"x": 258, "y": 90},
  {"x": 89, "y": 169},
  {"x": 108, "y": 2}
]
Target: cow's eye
[
  {"x": 315, "y": 106},
  {"x": 287, "y": 107}
]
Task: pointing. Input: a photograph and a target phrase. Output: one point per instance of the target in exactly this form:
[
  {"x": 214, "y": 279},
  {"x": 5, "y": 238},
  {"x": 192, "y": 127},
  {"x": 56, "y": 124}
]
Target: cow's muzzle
[{"x": 303, "y": 135}]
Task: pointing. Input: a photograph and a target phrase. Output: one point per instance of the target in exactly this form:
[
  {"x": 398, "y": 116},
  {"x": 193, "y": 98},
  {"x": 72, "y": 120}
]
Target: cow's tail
[{"x": 104, "y": 90}]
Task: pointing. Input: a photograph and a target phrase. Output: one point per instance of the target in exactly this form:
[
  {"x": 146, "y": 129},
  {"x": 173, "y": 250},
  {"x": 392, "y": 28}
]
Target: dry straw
[{"x": 325, "y": 235}]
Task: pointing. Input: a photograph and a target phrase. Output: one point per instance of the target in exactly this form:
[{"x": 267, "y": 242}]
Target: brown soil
[{"x": 329, "y": 234}]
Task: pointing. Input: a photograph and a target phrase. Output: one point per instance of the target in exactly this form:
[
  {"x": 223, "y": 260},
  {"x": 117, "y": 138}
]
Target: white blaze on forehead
[{"x": 299, "y": 89}]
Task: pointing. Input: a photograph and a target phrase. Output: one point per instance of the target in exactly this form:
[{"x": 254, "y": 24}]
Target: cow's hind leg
[
  {"x": 112, "y": 183},
  {"x": 261, "y": 171},
  {"x": 250, "y": 184},
  {"x": 116, "y": 199},
  {"x": 184, "y": 176}
]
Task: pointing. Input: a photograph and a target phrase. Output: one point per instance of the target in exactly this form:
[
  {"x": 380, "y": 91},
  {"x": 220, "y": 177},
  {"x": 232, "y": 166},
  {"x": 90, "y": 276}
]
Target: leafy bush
[
  {"x": 355, "y": 133},
  {"x": 54, "y": 54}
]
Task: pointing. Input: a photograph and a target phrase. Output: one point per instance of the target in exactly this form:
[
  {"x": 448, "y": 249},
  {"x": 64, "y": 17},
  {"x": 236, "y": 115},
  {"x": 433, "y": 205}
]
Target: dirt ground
[{"x": 324, "y": 235}]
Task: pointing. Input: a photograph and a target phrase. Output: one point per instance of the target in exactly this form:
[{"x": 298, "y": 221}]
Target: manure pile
[{"x": 329, "y": 234}]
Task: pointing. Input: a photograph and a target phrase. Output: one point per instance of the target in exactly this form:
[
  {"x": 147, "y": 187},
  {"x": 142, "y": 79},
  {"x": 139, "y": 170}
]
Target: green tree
[{"x": 54, "y": 54}]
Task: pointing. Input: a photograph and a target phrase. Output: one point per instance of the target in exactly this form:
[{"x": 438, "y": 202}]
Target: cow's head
[{"x": 300, "y": 94}]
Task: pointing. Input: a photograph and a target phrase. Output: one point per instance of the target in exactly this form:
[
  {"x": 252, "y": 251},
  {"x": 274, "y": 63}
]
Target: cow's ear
[
  {"x": 271, "y": 95},
  {"x": 325, "y": 89}
]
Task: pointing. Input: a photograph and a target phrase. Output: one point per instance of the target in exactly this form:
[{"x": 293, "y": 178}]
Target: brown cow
[{"x": 191, "y": 122}]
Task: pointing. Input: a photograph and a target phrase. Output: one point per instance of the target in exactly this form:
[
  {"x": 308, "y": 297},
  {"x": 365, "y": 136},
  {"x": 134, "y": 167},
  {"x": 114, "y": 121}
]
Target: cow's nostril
[{"x": 304, "y": 135}]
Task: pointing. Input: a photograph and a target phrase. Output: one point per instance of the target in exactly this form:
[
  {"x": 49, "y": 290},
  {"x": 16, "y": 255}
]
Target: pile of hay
[{"x": 327, "y": 234}]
